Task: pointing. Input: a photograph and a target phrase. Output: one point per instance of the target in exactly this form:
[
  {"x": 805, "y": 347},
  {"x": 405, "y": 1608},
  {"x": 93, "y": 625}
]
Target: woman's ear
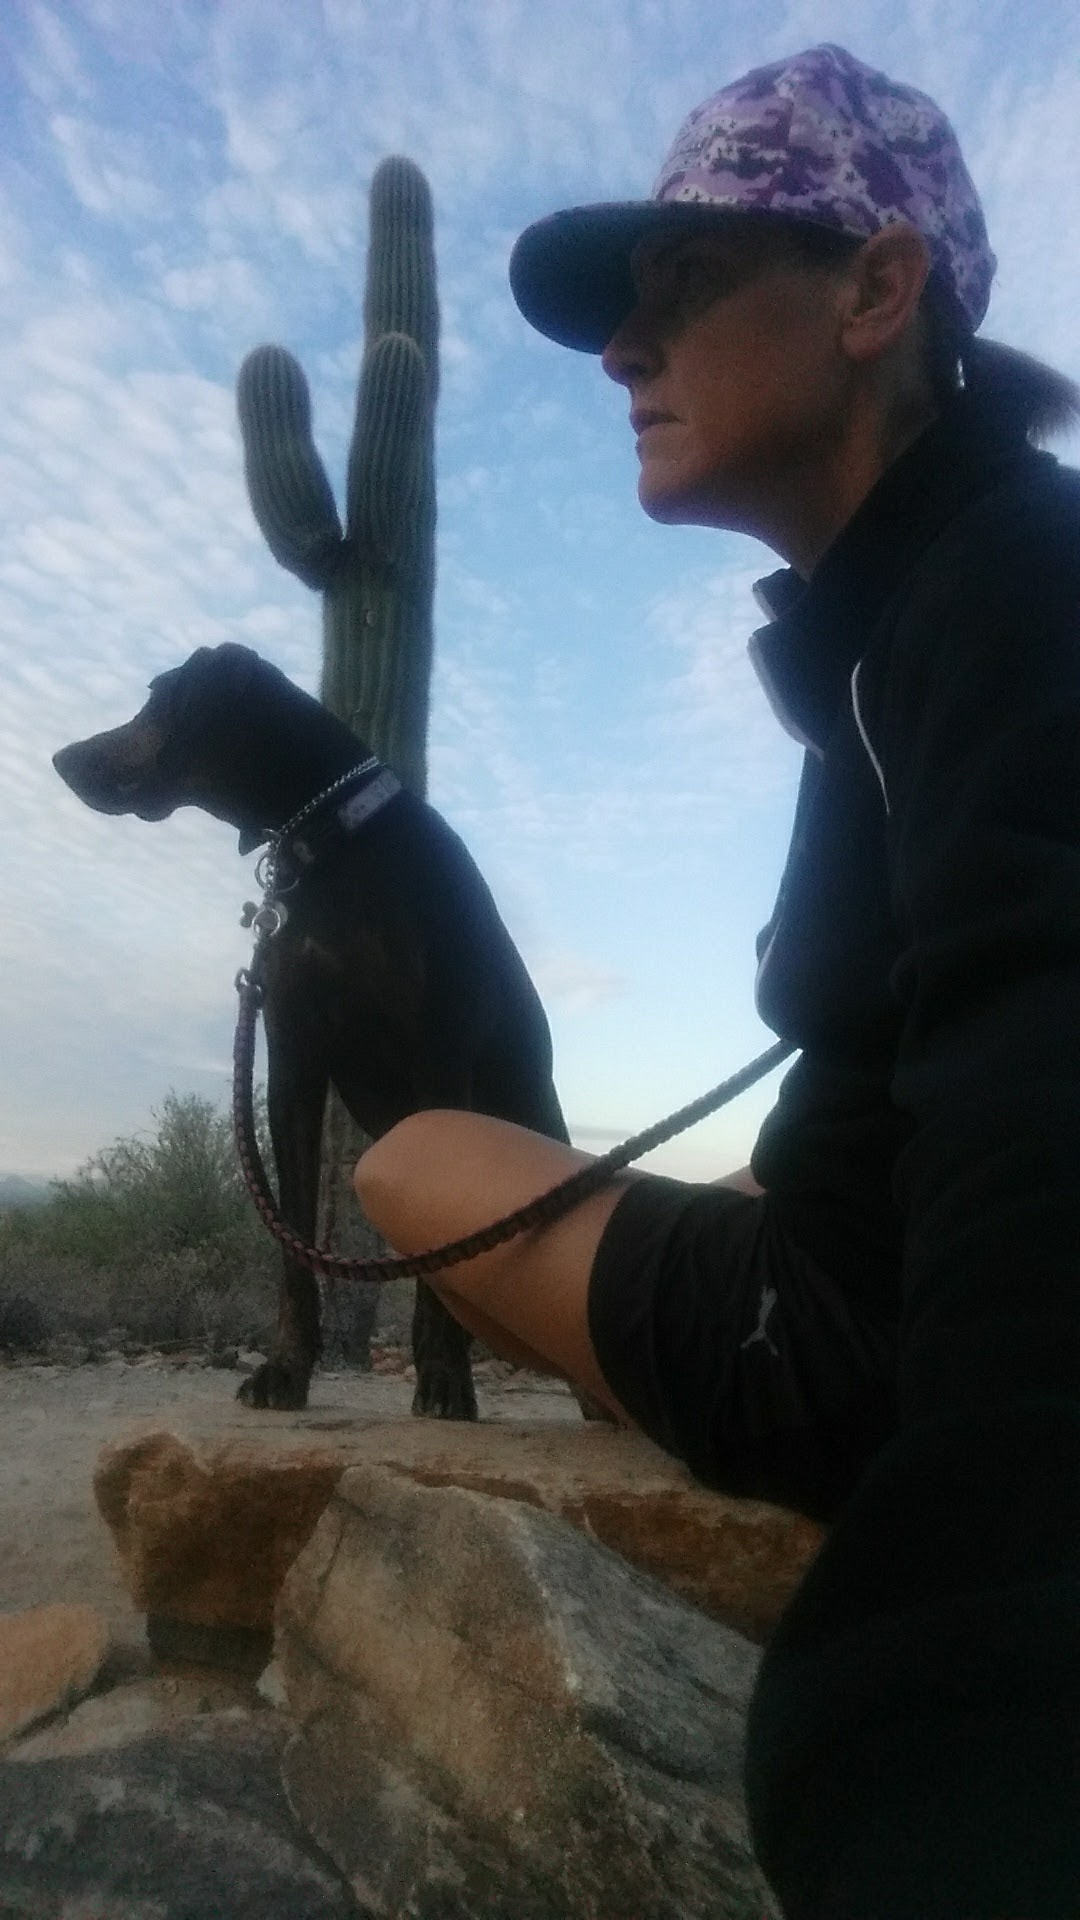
[{"x": 883, "y": 285}]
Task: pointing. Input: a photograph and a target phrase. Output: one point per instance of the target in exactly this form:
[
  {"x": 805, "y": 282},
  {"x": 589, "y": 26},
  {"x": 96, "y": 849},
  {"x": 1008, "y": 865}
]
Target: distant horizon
[
  {"x": 32, "y": 1180},
  {"x": 590, "y": 1139}
]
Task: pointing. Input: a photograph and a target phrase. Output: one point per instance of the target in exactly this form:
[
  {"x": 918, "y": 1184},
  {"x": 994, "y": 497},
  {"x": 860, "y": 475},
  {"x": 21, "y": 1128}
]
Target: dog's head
[{"x": 174, "y": 752}]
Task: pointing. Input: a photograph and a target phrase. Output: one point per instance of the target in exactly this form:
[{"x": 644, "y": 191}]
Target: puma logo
[{"x": 769, "y": 1298}]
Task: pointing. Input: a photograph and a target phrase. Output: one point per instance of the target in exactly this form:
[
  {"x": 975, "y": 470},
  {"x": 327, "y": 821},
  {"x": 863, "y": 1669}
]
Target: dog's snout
[
  {"x": 112, "y": 772},
  {"x": 76, "y": 765}
]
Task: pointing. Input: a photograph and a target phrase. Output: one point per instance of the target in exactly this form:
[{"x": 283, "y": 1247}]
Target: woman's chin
[
  {"x": 669, "y": 503},
  {"x": 660, "y": 499}
]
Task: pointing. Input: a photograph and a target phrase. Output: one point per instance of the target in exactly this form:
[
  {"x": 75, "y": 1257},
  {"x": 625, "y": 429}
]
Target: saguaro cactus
[{"x": 377, "y": 577}]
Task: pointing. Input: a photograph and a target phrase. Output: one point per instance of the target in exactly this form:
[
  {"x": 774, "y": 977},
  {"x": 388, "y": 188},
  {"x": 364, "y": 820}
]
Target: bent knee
[
  {"x": 383, "y": 1173},
  {"x": 399, "y": 1180}
]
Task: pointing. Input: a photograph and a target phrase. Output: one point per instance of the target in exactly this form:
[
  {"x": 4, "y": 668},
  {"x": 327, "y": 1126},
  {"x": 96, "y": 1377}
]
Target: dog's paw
[
  {"x": 276, "y": 1384},
  {"x": 442, "y": 1395}
]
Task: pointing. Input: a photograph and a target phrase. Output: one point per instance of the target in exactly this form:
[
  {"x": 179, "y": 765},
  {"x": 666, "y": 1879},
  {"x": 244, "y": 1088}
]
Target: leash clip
[
  {"x": 267, "y": 919},
  {"x": 269, "y": 916}
]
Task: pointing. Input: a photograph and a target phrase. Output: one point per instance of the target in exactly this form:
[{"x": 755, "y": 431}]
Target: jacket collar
[{"x": 819, "y": 628}]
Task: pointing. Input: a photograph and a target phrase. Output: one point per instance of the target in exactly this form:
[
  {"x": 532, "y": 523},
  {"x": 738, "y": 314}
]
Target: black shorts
[{"x": 732, "y": 1349}]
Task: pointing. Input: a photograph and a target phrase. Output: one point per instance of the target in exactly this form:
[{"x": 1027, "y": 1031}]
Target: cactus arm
[
  {"x": 290, "y": 494},
  {"x": 389, "y": 456}
]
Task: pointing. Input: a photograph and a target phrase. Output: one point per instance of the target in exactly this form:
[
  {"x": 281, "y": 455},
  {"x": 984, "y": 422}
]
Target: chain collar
[
  {"x": 311, "y": 806},
  {"x": 270, "y": 914}
]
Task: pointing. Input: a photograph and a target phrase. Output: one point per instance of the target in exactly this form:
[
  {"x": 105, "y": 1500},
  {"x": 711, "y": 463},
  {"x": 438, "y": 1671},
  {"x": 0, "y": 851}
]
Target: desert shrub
[
  {"x": 155, "y": 1235},
  {"x": 177, "y": 1190},
  {"x": 50, "y": 1296},
  {"x": 23, "y": 1326}
]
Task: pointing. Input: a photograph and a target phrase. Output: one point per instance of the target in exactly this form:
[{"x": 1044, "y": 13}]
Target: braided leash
[{"x": 559, "y": 1200}]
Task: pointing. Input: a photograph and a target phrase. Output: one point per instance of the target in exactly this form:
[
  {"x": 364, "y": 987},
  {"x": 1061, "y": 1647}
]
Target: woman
[{"x": 879, "y": 1323}]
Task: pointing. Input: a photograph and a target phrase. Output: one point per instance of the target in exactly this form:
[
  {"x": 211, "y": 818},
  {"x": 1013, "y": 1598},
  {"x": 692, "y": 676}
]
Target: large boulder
[
  {"x": 206, "y": 1531},
  {"x": 49, "y": 1657},
  {"x": 498, "y": 1717}
]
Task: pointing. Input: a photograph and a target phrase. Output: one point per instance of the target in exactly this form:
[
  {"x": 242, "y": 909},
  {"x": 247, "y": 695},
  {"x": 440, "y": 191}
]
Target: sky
[{"x": 184, "y": 180}]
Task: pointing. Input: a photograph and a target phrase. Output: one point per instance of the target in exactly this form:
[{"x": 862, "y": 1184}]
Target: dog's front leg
[
  {"x": 444, "y": 1386},
  {"x": 283, "y": 1379},
  {"x": 296, "y": 1094}
]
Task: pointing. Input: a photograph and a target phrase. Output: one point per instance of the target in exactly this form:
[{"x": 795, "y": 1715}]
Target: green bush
[
  {"x": 178, "y": 1191},
  {"x": 154, "y": 1235}
]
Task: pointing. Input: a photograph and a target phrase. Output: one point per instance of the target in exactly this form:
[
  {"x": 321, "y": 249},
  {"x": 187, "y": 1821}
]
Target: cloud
[
  {"x": 214, "y": 284},
  {"x": 714, "y": 698},
  {"x": 579, "y": 985},
  {"x": 51, "y": 66},
  {"x": 108, "y": 172}
]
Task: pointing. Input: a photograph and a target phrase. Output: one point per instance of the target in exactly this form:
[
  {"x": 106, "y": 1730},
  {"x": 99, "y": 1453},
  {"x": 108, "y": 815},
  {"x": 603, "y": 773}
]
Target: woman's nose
[{"x": 633, "y": 352}]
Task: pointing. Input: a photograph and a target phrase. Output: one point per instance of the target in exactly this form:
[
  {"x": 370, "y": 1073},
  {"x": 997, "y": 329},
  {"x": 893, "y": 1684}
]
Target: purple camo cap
[{"x": 819, "y": 138}]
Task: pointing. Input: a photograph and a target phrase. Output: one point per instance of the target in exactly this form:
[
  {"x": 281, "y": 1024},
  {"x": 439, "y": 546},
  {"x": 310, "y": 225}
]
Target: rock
[
  {"x": 129, "y": 1711},
  {"x": 49, "y": 1657},
  {"x": 497, "y": 1717},
  {"x": 189, "y": 1825},
  {"x": 204, "y": 1545},
  {"x": 206, "y": 1532}
]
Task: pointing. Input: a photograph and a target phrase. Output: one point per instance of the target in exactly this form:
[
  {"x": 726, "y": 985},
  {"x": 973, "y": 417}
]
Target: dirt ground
[{"x": 55, "y": 1419}]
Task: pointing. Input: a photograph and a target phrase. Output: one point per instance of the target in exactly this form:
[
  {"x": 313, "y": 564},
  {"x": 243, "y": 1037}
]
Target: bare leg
[
  {"x": 743, "y": 1182},
  {"x": 439, "y": 1175}
]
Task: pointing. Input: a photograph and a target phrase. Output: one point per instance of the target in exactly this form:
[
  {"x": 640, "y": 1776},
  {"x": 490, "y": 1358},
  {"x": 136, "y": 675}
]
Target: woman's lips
[{"x": 642, "y": 418}]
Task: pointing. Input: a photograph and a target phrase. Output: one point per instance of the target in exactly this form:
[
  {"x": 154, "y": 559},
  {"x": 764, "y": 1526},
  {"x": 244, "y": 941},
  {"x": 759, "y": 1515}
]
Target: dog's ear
[
  {"x": 251, "y": 837},
  {"x": 180, "y": 688}
]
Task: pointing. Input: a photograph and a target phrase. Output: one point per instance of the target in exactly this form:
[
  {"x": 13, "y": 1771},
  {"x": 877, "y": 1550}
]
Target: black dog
[{"x": 393, "y": 975}]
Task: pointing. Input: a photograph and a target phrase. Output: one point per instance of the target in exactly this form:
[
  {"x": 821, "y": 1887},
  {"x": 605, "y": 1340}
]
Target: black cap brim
[{"x": 570, "y": 274}]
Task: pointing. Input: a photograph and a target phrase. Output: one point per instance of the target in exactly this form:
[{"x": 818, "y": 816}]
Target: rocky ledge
[{"x": 206, "y": 1529}]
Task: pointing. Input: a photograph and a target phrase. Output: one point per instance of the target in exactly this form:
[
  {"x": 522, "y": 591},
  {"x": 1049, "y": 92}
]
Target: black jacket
[
  {"x": 925, "y": 949},
  {"x": 915, "y": 1740}
]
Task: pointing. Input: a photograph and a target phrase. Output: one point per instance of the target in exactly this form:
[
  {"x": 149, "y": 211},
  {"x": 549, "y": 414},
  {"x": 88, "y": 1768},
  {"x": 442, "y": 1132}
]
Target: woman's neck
[{"x": 820, "y": 504}]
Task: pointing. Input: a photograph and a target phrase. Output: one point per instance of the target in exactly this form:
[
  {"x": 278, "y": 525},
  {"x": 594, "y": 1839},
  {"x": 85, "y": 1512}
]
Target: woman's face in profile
[{"x": 731, "y": 359}]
